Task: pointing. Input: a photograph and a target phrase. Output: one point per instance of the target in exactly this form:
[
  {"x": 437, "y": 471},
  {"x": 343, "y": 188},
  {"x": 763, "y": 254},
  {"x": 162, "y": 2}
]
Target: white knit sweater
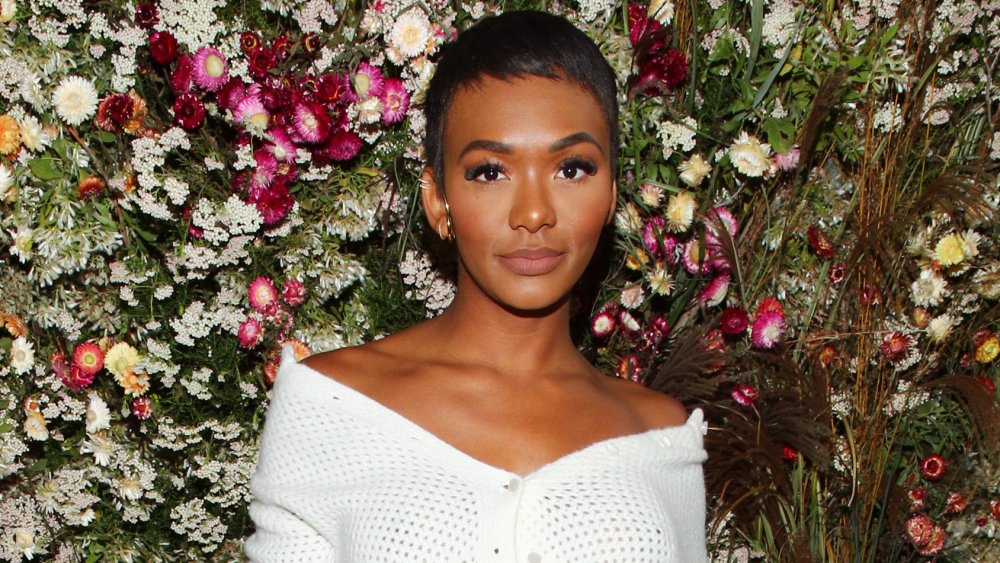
[{"x": 343, "y": 478}]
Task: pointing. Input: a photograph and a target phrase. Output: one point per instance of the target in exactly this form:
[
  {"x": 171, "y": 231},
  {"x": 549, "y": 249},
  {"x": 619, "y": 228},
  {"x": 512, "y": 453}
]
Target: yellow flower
[
  {"x": 988, "y": 350},
  {"x": 10, "y": 135},
  {"x": 120, "y": 360},
  {"x": 635, "y": 261},
  {"x": 7, "y": 10},
  {"x": 134, "y": 384},
  {"x": 680, "y": 211},
  {"x": 950, "y": 250},
  {"x": 34, "y": 426},
  {"x": 694, "y": 170}
]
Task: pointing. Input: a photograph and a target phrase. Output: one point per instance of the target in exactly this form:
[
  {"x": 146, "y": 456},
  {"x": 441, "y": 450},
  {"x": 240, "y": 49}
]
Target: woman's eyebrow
[
  {"x": 581, "y": 137},
  {"x": 504, "y": 148}
]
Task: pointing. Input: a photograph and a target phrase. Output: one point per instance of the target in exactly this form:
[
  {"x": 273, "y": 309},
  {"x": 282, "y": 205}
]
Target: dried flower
[
  {"x": 35, "y": 426},
  {"x": 895, "y": 346},
  {"x": 987, "y": 345},
  {"x": 788, "y": 453},
  {"x": 293, "y": 292},
  {"x": 146, "y": 15},
  {"x": 950, "y": 250},
  {"x": 163, "y": 47},
  {"x": 262, "y": 294},
  {"x": 75, "y": 100},
  {"x": 602, "y": 324},
  {"x": 98, "y": 414},
  {"x": 715, "y": 291},
  {"x": 395, "y": 101},
  {"x": 767, "y": 329},
  {"x": 745, "y": 394},
  {"x": 367, "y": 80},
  {"x": 680, "y": 211},
  {"x": 10, "y": 135},
  {"x": 210, "y": 70},
  {"x": 749, "y": 156},
  {"x": 629, "y": 368},
  {"x": 918, "y": 497},
  {"x": 410, "y": 33},
  {"x": 142, "y": 407},
  {"x": 694, "y": 170},
  {"x": 789, "y": 160},
  {"x": 249, "y": 333},
  {"x": 956, "y": 503},
  {"x": 820, "y": 242},
  {"x": 837, "y": 272},
  {"x": 189, "y": 112},
  {"x": 89, "y": 188},
  {"x": 311, "y": 122},
  {"x": 734, "y": 321},
  {"x": 22, "y": 355},
  {"x": 933, "y": 467},
  {"x": 121, "y": 359},
  {"x": 88, "y": 357}
]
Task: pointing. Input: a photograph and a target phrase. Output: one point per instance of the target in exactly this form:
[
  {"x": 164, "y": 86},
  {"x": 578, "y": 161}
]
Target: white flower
[
  {"x": 130, "y": 488},
  {"x": 970, "y": 243},
  {"x": 928, "y": 289},
  {"x": 680, "y": 211},
  {"x": 995, "y": 146},
  {"x": 750, "y": 156},
  {"x": 7, "y": 10},
  {"x": 98, "y": 414},
  {"x": 33, "y": 136},
  {"x": 22, "y": 355},
  {"x": 24, "y": 542},
  {"x": 650, "y": 195},
  {"x": 627, "y": 219},
  {"x": 677, "y": 135},
  {"x": 101, "y": 446},
  {"x": 410, "y": 33},
  {"x": 6, "y": 180},
  {"x": 34, "y": 426},
  {"x": 75, "y": 100},
  {"x": 661, "y": 10},
  {"x": 632, "y": 296},
  {"x": 660, "y": 281},
  {"x": 940, "y": 327},
  {"x": 694, "y": 170}
]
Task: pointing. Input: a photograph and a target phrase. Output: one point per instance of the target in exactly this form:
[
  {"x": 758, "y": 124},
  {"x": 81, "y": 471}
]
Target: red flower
[
  {"x": 895, "y": 346},
  {"x": 642, "y": 29},
  {"x": 629, "y": 368},
  {"x": 789, "y": 453},
  {"x": 163, "y": 46},
  {"x": 714, "y": 341},
  {"x": 342, "y": 145},
  {"x": 827, "y": 355},
  {"x": 180, "y": 80},
  {"x": 142, "y": 407},
  {"x": 293, "y": 292},
  {"x": 987, "y": 383},
  {"x": 745, "y": 394},
  {"x": 88, "y": 357},
  {"x": 189, "y": 112},
  {"x": 603, "y": 324},
  {"x": 770, "y": 304},
  {"x": 917, "y": 496},
  {"x": 935, "y": 543},
  {"x": 837, "y": 272},
  {"x": 249, "y": 41},
  {"x": 995, "y": 509},
  {"x": 870, "y": 295},
  {"x": 660, "y": 325},
  {"x": 661, "y": 72},
  {"x": 311, "y": 43},
  {"x": 282, "y": 47},
  {"x": 261, "y": 61},
  {"x": 734, "y": 321},
  {"x": 918, "y": 529},
  {"x": 146, "y": 15},
  {"x": 332, "y": 89},
  {"x": 933, "y": 467},
  {"x": 272, "y": 202},
  {"x": 820, "y": 243},
  {"x": 956, "y": 503},
  {"x": 114, "y": 112}
]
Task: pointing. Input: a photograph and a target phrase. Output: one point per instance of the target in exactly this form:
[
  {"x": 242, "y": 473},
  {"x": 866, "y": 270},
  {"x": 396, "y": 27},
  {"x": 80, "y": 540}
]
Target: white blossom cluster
[
  {"x": 197, "y": 384},
  {"x": 25, "y": 528},
  {"x": 677, "y": 136},
  {"x": 193, "y": 22},
  {"x": 779, "y": 27},
  {"x": 312, "y": 15},
  {"x": 193, "y": 521},
  {"x": 593, "y": 10},
  {"x": 428, "y": 284},
  {"x": 220, "y": 222}
]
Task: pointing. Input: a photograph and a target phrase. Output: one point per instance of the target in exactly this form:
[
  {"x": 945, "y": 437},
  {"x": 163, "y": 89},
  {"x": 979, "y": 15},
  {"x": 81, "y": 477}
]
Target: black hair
[{"x": 514, "y": 45}]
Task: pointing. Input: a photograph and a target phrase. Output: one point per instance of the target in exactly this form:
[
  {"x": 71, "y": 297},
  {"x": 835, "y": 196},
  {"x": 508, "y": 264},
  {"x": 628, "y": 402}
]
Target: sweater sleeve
[{"x": 282, "y": 536}]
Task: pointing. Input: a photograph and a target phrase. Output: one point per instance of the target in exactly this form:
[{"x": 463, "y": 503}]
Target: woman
[{"x": 483, "y": 434}]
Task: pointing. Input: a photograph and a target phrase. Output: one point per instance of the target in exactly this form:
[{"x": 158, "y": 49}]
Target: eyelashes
[{"x": 569, "y": 169}]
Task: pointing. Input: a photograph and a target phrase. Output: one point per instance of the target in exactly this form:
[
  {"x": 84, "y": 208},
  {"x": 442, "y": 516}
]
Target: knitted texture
[{"x": 343, "y": 478}]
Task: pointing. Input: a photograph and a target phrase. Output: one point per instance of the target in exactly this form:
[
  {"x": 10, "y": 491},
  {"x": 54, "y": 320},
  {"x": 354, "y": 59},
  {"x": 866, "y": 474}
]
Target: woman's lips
[{"x": 532, "y": 261}]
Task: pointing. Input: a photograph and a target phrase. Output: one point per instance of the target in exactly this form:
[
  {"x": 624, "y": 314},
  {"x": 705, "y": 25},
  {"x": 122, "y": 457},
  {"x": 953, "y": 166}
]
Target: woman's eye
[
  {"x": 488, "y": 173},
  {"x": 571, "y": 169}
]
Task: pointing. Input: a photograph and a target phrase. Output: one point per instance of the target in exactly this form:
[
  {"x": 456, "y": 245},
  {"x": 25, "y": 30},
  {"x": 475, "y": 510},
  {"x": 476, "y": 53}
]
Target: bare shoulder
[
  {"x": 656, "y": 409},
  {"x": 366, "y": 366}
]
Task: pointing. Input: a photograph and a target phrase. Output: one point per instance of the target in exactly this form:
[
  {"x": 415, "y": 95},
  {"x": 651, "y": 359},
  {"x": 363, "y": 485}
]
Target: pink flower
[
  {"x": 210, "y": 69},
  {"x": 233, "y": 93},
  {"x": 189, "y": 112},
  {"x": 142, "y": 407},
  {"x": 311, "y": 122},
  {"x": 273, "y": 203},
  {"x": 767, "y": 329},
  {"x": 163, "y": 47},
  {"x": 180, "y": 80},
  {"x": 628, "y": 322},
  {"x": 734, "y": 321},
  {"x": 918, "y": 529},
  {"x": 933, "y": 467},
  {"x": 745, "y": 394},
  {"x": 88, "y": 357},
  {"x": 262, "y": 294},
  {"x": 263, "y": 174},
  {"x": 250, "y": 111},
  {"x": 368, "y": 81},
  {"x": 603, "y": 324},
  {"x": 652, "y": 235},
  {"x": 715, "y": 291},
  {"x": 917, "y": 498},
  {"x": 895, "y": 346},
  {"x": 281, "y": 145},
  {"x": 660, "y": 325},
  {"x": 343, "y": 145},
  {"x": 395, "y": 101},
  {"x": 694, "y": 259},
  {"x": 293, "y": 292},
  {"x": 788, "y": 160},
  {"x": 250, "y": 332}
]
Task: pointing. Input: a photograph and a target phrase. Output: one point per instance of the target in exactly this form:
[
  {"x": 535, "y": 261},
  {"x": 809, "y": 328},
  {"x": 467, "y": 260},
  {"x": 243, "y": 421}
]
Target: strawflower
[
  {"x": 933, "y": 467},
  {"x": 820, "y": 243},
  {"x": 210, "y": 69},
  {"x": 895, "y": 346},
  {"x": 629, "y": 368},
  {"x": 22, "y": 355},
  {"x": 142, "y": 407},
  {"x": 694, "y": 170},
  {"x": 367, "y": 80},
  {"x": 410, "y": 33},
  {"x": 602, "y": 324},
  {"x": 75, "y": 100},
  {"x": 788, "y": 160},
  {"x": 956, "y": 503},
  {"x": 88, "y": 357},
  {"x": 749, "y": 156},
  {"x": 262, "y": 294},
  {"x": 146, "y": 15},
  {"x": 35, "y": 426},
  {"x": 987, "y": 346},
  {"x": 163, "y": 47},
  {"x": 249, "y": 333},
  {"x": 680, "y": 211},
  {"x": 745, "y": 394},
  {"x": 734, "y": 321},
  {"x": 10, "y": 135},
  {"x": 950, "y": 250},
  {"x": 342, "y": 145},
  {"x": 189, "y": 112},
  {"x": 311, "y": 122},
  {"x": 715, "y": 291},
  {"x": 89, "y": 188},
  {"x": 767, "y": 329},
  {"x": 98, "y": 414},
  {"x": 293, "y": 293},
  {"x": 121, "y": 359},
  {"x": 272, "y": 202},
  {"x": 395, "y": 101}
]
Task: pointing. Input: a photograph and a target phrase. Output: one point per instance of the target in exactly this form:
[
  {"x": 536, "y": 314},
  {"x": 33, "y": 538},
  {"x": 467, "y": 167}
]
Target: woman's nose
[{"x": 532, "y": 207}]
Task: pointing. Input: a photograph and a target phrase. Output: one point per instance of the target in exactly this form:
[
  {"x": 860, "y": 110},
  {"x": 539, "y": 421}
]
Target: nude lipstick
[{"x": 532, "y": 261}]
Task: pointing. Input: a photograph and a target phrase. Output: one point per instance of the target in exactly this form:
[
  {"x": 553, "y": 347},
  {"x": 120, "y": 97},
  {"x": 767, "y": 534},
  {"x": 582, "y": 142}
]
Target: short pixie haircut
[{"x": 511, "y": 46}]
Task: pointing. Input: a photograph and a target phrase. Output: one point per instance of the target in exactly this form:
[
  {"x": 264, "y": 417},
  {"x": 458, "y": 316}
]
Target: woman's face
[{"x": 529, "y": 183}]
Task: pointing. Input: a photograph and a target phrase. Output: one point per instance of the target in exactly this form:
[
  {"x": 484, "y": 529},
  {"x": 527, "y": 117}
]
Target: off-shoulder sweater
[{"x": 344, "y": 478}]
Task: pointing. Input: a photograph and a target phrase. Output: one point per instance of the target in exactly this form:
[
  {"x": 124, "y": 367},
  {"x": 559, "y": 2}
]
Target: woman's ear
[
  {"x": 434, "y": 205},
  {"x": 614, "y": 203}
]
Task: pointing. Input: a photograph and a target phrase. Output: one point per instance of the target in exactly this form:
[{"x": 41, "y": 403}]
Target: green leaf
[
  {"x": 45, "y": 168},
  {"x": 6, "y": 427},
  {"x": 105, "y": 137},
  {"x": 780, "y": 133}
]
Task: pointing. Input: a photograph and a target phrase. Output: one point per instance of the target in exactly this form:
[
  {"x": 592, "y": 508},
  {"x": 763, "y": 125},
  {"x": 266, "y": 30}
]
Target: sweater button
[
  {"x": 534, "y": 558},
  {"x": 512, "y": 485}
]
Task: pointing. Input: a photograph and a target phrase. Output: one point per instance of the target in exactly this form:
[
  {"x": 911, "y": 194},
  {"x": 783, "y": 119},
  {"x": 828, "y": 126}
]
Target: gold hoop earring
[{"x": 448, "y": 223}]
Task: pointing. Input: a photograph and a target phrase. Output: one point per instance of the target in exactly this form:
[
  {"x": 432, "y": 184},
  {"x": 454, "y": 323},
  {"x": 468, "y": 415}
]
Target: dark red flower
[
  {"x": 231, "y": 93},
  {"x": 342, "y": 145},
  {"x": 643, "y": 29},
  {"x": 249, "y": 41},
  {"x": 789, "y": 453},
  {"x": 603, "y": 324},
  {"x": 820, "y": 242},
  {"x": 660, "y": 325},
  {"x": 629, "y": 368},
  {"x": 837, "y": 272},
  {"x": 189, "y": 112},
  {"x": 146, "y": 15},
  {"x": 956, "y": 503},
  {"x": 331, "y": 89},
  {"x": 180, "y": 80},
  {"x": 261, "y": 61},
  {"x": 114, "y": 112},
  {"x": 917, "y": 498},
  {"x": 282, "y": 47},
  {"x": 142, "y": 407},
  {"x": 827, "y": 355},
  {"x": 662, "y": 72},
  {"x": 293, "y": 292},
  {"x": 272, "y": 202},
  {"x": 745, "y": 394},
  {"x": 734, "y": 321},
  {"x": 163, "y": 46},
  {"x": 895, "y": 346},
  {"x": 933, "y": 467},
  {"x": 870, "y": 295},
  {"x": 311, "y": 43}
]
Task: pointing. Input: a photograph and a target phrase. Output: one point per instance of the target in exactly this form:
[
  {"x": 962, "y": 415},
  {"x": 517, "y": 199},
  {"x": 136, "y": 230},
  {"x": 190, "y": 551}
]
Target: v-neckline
[{"x": 433, "y": 440}]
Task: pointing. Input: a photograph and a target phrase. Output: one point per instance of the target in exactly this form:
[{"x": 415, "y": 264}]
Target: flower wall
[{"x": 806, "y": 246}]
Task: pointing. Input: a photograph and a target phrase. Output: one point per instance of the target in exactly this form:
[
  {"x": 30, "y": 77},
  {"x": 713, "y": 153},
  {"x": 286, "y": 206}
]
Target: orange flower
[
  {"x": 14, "y": 325},
  {"x": 135, "y": 384},
  {"x": 10, "y": 135},
  {"x": 90, "y": 187}
]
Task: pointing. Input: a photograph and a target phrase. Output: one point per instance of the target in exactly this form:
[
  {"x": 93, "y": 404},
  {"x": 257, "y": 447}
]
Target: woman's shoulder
[{"x": 656, "y": 409}]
